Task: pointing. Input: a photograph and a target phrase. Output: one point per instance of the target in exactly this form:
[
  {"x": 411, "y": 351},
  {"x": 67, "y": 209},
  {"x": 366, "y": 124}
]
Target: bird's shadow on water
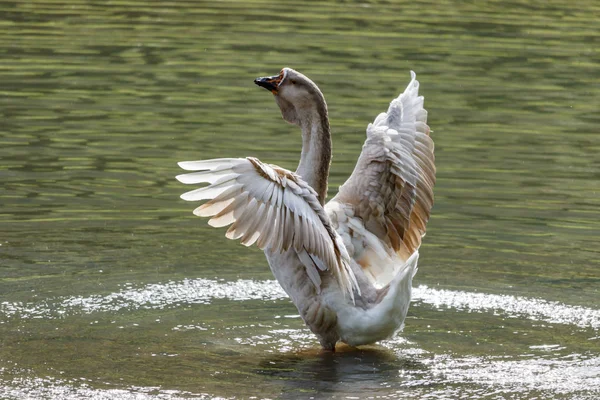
[{"x": 350, "y": 371}]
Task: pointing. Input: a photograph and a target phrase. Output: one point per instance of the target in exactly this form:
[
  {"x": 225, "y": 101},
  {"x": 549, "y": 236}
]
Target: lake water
[{"x": 111, "y": 288}]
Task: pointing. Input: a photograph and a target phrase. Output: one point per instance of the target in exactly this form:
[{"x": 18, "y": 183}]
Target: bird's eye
[{"x": 293, "y": 81}]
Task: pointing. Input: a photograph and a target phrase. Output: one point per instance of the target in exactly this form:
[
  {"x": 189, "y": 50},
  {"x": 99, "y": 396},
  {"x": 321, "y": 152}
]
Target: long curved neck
[{"x": 316, "y": 150}]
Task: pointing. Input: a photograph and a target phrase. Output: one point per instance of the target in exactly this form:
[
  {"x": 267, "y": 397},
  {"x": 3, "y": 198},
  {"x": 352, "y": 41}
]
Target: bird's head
[{"x": 297, "y": 96}]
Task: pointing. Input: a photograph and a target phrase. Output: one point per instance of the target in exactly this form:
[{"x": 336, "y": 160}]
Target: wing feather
[
  {"x": 277, "y": 242},
  {"x": 253, "y": 231},
  {"x": 313, "y": 271},
  {"x": 390, "y": 192},
  {"x": 210, "y": 192},
  {"x": 267, "y": 228},
  {"x": 288, "y": 228},
  {"x": 228, "y": 214},
  {"x": 272, "y": 208}
]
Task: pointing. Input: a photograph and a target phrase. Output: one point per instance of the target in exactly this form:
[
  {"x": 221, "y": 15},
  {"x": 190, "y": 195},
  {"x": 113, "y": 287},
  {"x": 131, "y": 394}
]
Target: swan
[{"x": 347, "y": 265}]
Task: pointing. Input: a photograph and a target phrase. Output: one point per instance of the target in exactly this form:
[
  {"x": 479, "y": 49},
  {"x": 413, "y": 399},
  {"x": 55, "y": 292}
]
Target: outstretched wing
[
  {"x": 272, "y": 207},
  {"x": 383, "y": 208}
]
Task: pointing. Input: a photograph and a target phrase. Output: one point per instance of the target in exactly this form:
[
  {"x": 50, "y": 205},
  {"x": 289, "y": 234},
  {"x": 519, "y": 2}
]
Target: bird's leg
[{"x": 328, "y": 345}]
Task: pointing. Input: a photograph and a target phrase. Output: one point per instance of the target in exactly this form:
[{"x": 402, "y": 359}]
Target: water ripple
[
  {"x": 203, "y": 291},
  {"x": 510, "y": 306},
  {"x": 567, "y": 375},
  {"x": 51, "y": 388}
]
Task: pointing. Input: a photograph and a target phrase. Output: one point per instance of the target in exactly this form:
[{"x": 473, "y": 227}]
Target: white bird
[{"x": 347, "y": 265}]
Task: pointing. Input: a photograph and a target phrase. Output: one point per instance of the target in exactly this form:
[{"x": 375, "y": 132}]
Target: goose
[{"x": 347, "y": 265}]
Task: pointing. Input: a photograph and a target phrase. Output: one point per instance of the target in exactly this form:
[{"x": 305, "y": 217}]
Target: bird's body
[{"x": 347, "y": 265}]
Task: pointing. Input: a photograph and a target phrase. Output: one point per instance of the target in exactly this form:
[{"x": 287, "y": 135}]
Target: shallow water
[{"x": 110, "y": 288}]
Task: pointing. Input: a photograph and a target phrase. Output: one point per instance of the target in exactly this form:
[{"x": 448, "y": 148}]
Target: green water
[{"x": 111, "y": 288}]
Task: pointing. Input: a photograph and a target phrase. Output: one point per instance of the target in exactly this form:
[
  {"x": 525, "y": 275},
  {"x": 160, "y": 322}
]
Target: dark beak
[{"x": 270, "y": 83}]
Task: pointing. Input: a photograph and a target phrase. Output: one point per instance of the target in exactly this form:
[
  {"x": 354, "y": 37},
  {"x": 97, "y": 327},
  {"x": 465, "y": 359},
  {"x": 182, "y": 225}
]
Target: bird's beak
[{"x": 269, "y": 82}]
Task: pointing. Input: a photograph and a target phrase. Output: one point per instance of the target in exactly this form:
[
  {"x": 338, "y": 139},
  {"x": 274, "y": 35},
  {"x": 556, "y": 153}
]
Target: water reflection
[{"x": 348, "y": 371}]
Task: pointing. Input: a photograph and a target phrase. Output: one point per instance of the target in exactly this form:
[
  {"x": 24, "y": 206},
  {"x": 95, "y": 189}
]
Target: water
[{"x": 110, "y": 288}]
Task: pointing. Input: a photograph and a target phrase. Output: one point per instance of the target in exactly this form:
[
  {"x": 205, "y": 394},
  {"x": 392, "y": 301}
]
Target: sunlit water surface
[{"x": 110, "y": 288}]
